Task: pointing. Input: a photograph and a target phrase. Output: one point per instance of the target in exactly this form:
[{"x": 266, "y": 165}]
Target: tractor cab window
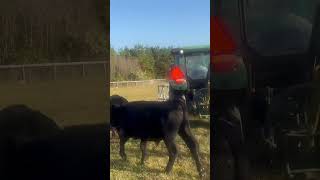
[
  {"x": 280, "y": 27},
  {"x": 194, "y": 60},
  {"x": 195, "y": 65}
]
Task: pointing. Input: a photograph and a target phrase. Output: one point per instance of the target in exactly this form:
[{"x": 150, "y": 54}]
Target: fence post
[
  {"x": 83, "y": 72},
  {"x": 23, "y": 73},
  {"x": 30, "y": 75},
  {"x": 105, "y": 70},
  {"x": 54, "y": 72}
]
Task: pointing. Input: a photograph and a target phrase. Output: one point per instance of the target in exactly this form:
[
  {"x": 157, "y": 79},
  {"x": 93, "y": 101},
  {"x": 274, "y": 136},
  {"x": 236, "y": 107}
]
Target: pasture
[
  {"x": 69, "y": 102},
  {"x": 157, "y": 158}
]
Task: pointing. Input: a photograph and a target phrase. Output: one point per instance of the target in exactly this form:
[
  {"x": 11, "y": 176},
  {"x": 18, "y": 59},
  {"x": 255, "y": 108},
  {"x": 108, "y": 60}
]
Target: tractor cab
[
  {"x": 194, "y": 63},
  {"x": 190, "y": 71}
]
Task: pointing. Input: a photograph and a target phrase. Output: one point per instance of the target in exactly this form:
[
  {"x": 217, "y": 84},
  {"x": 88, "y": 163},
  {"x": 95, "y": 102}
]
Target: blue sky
[{"x": 159, "y": 22}]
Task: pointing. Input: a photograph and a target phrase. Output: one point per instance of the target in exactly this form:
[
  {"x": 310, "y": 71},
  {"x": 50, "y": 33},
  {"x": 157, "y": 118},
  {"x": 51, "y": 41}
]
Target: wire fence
[
  {"x": 54, "y": 71},
  {"x": 119, "y": 84}
]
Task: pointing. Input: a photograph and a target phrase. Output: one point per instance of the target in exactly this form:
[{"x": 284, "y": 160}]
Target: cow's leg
[
  {"x": 123, "y": 140},
  {"x": 172, "y": 149},
  {"x": 113, "y": 132},
  {"x": 143, "y": 147},
  {"x": 190, "y": 140}
]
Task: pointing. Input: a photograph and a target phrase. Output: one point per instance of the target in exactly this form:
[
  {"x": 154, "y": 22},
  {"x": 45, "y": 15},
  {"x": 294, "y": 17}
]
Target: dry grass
[
  {"x": 184, "y": 167},
  {"x": 68, "y": 102},
  {"x": 148, "y": 92}
]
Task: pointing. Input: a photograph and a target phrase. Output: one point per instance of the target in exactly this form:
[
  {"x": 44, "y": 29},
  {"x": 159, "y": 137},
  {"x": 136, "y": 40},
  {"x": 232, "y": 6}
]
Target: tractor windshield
[
  {"x": 280, "y": 27},
  {"x": 195, "y": 64}
]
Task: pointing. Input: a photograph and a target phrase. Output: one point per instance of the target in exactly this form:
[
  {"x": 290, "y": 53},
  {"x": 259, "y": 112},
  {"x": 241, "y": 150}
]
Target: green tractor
[
  {"x": 190, "y": 71},
  {"x": 265, "y": 94}
]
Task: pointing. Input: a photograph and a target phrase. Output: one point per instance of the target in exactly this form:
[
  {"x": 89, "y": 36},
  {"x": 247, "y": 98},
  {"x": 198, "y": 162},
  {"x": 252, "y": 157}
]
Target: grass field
[
  {"x": 134, "y": 94},
  {"x": 69, "y": 102},
  {"x": 184, "y": 167}
]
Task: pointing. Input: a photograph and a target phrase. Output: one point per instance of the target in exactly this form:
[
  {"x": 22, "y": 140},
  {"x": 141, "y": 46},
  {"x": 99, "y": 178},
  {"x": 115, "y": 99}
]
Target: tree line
[
  {"x": 149, "y": 62},
  {"x": 37, "y": 31}
]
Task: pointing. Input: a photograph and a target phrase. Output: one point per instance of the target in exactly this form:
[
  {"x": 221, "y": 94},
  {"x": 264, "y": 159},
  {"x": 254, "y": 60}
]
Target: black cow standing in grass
[
  {"x": 148, "y": 120},
  {"x": 19, "y": 125},
  {"x": 117, "y": 100}
]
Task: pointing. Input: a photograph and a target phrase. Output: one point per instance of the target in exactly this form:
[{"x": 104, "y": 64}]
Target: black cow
[
  {"x": 148, "y": 120},
  {"x": 79, "y": 152},
  {"x": 20, "y": 124},
  {"x": 117, "y": 100}
]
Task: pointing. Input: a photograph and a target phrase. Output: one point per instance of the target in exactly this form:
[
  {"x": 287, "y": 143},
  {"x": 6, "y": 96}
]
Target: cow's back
[{"x": 145, "y": 119}]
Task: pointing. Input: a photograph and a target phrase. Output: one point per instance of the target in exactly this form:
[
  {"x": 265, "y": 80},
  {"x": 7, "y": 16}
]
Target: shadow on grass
[
  {"x": 199, "y": 123},
  {"x": 122, "y": 165},
  {"x": 135, "y": 167},
  {"x": 160, "y": 152}
]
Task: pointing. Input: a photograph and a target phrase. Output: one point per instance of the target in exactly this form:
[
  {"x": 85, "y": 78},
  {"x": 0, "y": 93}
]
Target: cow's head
[{"x": 116, "y": 114}]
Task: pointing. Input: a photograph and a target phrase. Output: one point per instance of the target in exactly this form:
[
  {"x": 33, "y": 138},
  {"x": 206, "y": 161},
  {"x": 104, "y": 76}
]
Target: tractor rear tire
[
  {"x": 224, "y": 162},
  {"x": 231, "y": 160}
]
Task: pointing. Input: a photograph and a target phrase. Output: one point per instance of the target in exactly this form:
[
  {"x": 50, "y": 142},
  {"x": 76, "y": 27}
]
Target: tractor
[
  {"x": 265, "y": 94},
  {"x": 189, "y": 72}
]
